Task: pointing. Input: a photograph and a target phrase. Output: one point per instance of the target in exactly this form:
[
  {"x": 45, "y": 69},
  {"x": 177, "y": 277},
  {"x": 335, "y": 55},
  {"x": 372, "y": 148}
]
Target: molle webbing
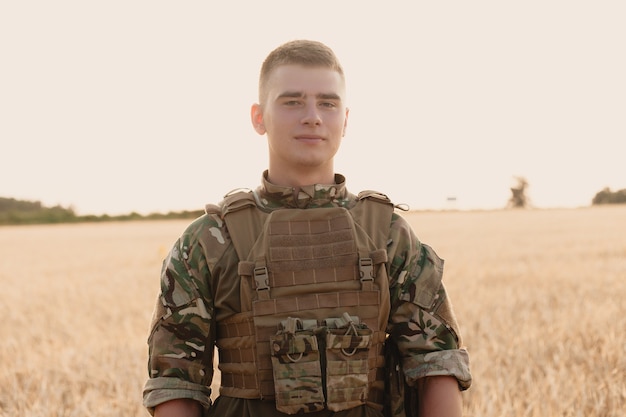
[
  {"x": 302, "y": 251},
  {"x": 308, "y": 264}
]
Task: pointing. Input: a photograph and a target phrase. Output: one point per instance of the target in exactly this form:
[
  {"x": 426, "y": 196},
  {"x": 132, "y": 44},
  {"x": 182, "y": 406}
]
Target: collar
[{"x": 274, "y": 196}]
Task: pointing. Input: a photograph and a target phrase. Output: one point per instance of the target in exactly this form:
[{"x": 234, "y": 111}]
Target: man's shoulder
[{"x": 206, "y": 229}]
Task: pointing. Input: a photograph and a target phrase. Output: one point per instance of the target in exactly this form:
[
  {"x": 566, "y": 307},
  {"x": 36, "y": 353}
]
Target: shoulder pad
[
  {"x": 375, "y": 195},
  {"x": 236, "y": 200},
  {"x": 381, "y": 198}
]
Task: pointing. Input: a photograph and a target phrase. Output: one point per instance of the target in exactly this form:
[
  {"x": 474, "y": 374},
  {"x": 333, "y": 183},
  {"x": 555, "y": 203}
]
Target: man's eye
[
  {"x": 328, "y": 104},
  {"x": 292, "y": 103}
]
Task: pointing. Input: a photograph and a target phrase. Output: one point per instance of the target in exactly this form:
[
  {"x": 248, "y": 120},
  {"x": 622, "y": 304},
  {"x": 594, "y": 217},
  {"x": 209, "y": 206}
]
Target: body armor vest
[{"x": 314, "y": 305}]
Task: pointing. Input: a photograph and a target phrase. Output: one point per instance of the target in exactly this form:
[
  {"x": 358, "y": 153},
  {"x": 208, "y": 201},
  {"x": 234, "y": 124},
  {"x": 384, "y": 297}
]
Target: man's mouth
[{"x": 309, "y": 138}]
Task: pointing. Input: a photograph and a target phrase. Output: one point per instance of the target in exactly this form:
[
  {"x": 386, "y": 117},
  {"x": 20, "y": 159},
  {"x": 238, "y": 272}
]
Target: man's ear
[
  {"x": 256, "y": 117},
  {"x": 345, "y": 123}
]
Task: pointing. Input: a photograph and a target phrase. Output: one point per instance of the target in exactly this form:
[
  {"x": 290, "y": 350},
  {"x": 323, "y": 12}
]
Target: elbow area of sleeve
[
  {"x": 453, "y": 362},
  {"x": 162, "y": 389}
]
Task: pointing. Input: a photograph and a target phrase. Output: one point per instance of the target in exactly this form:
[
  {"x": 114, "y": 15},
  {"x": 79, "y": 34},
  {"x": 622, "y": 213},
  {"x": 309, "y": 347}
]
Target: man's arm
[
  {"x": 181, "y": 337},
  {"x": 178, "y": 408},
  {"x": 439, "y": 396}
]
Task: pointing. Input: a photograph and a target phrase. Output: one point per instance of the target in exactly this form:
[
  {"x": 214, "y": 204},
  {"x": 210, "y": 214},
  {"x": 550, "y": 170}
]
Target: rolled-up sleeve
[{"x": 422, "y": 322}]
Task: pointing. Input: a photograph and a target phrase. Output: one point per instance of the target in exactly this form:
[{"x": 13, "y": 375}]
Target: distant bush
[{"x": 606, "y": 196}]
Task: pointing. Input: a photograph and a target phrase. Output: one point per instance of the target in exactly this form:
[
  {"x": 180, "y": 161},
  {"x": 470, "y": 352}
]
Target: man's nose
[{"x": 311, "y": 115}]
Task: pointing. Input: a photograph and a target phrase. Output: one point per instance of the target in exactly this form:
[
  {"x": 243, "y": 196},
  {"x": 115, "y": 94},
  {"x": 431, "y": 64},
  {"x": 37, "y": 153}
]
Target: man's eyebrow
[
  {"x": 291, "y": 94},
  {"x": 329, "y": 96},
  {"x": 298, "y": 94}
]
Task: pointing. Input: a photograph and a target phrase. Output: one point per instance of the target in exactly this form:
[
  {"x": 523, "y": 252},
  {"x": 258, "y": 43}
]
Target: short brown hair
[{"x": 299, "y": 52}]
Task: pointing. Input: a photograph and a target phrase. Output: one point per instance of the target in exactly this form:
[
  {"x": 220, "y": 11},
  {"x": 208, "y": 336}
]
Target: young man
[{"x": 301, "y": 317}]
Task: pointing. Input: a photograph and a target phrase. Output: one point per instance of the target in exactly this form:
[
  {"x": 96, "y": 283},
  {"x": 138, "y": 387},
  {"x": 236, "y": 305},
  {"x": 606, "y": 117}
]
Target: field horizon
[{"x": 539, "y": 294}]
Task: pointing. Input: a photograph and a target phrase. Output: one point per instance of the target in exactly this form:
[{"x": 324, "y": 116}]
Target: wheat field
[{"x": 540, "y": 297}]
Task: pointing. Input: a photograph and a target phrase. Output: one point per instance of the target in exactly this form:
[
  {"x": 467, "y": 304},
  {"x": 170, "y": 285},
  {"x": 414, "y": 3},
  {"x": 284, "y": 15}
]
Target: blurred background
[{"x": 143, "y": 106}]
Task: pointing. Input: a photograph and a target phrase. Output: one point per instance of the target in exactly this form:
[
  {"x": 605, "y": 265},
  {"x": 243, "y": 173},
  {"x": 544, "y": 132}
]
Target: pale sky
[{"x": 120, "y": 106}]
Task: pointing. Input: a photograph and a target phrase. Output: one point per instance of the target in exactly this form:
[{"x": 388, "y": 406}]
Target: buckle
[
  {"x": 366, "y": 269},
  {"x": 261, "y": 278}
]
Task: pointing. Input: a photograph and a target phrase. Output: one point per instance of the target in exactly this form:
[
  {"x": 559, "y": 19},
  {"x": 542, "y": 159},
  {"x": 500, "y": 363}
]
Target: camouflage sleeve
[
  {"x": 422, "y": 322},
  {"x": 180, "y": 362}
]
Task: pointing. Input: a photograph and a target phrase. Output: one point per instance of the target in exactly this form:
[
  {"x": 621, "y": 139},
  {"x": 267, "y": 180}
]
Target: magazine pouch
[
  {"x": 347, "y": 364},
  {"x": 297, "y": 369}
]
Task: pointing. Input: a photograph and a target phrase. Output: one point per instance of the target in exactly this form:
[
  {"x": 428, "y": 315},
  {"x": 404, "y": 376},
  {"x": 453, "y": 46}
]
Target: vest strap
[{"x": 262, "y": 281}]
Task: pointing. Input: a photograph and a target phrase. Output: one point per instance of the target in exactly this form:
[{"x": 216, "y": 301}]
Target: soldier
[{"x": 307, "y": 290}]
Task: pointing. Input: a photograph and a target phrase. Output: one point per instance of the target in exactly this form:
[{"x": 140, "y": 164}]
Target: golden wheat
[{"x": 539, "y": 295}]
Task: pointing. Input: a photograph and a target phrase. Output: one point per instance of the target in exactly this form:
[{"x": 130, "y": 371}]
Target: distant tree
[
  {"x": 519, "y": 199},
  {"x": 606, "y": 196}
]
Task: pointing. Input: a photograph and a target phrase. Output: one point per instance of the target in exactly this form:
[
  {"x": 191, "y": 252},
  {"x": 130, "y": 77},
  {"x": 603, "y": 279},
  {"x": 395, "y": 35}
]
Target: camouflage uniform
[{"x": 199, "y": 287}]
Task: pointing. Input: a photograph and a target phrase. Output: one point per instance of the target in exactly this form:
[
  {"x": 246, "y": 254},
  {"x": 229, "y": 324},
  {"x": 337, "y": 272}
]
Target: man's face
[{"x": 304, "y": 117}]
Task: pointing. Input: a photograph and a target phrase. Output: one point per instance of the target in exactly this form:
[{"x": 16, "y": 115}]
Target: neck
[{"x": 300, "y": 179}]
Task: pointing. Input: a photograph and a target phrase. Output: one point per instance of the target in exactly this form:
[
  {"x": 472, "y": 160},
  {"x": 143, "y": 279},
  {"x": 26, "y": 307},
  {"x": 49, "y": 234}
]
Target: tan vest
[{"x": 315, "y": 304}]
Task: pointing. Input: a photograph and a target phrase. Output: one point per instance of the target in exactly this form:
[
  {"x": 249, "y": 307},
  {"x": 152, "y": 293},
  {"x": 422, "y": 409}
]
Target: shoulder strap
[
  {"x": 373, "y": 213},
  {"x": 243, "y": 224}
]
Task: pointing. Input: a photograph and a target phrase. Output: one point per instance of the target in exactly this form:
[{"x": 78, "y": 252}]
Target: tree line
[{"x": 16, "y": 212}]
